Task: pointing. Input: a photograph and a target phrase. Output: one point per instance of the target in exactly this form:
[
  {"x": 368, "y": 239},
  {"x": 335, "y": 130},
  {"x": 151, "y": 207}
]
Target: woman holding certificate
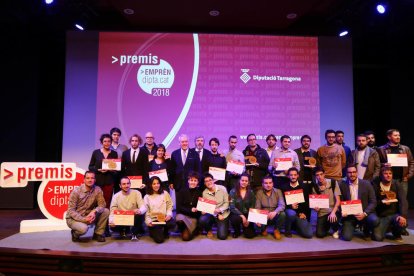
[
  {"x": 159, "y": 207},
  {"x": 105, "y": 177},
  {"x": 160, "y": 163},
  {"x": 242, "y": 199},
  {"x": 187, "y": 213}
]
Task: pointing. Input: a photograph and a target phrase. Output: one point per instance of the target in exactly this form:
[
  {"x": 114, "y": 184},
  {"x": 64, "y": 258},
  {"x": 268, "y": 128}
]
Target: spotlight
[
  {"x": 48, "y": 2},
  {"x": 343, "y": 33},
  {"x": 79, "y": 27},
  {"x": 381, "y": 8}
]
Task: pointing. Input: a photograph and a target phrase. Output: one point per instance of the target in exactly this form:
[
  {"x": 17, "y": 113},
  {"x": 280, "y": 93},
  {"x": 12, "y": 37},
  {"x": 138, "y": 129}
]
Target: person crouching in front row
[
  {"x": 128, "y": 200},
  {"x": 86, "y": 207},
  {"x": 187, "y": 213},
  {"x": 159, "y": 207},
  {"x": 218, "y": 194}
]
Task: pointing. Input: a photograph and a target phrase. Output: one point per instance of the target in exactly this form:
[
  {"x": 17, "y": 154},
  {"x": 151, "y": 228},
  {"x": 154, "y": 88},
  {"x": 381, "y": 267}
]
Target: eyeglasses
[
  {"x": 149, "y": 137},
  {"x": 251, "y": 139}
]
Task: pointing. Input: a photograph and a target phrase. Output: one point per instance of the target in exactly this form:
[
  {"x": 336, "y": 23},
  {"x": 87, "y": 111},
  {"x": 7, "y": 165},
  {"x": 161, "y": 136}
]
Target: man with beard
[
  {"x": 371, "y": 139},
  {"x": 392, "y": 206},
  {"x": 366, "y": 159},
  {"x": 354, "y": 188},
  {"x": 307, "y": 161},
  {"x": 257, "y": 161},
  {"x": 233, "y": 154},
  {"x": 331, "y": 156}
]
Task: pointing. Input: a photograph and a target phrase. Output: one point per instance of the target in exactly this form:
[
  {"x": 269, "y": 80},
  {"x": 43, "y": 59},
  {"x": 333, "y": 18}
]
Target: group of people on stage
[{"x": 371, "y": 180}]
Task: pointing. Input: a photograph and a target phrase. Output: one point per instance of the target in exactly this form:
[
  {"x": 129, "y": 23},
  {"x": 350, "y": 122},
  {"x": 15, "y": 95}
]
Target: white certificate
[
  {"x": 258, "y": 216},
  {"x": 136, "y": 182},
  {"x": 217, "y": 173},
  {"x": 319, "y": 201},
  {"x": 295, "y": 196},
  {"x": 111, "y": 164},
  {"x": 162, "y": 174},
  {"x": 206, "y": 205},
  {"x": 283, "y": 164},
  {"x": 124, "y": 217},
  {"x": 397, "y": 160},
  {"x": 235, "y": 166},
  {"x": 351, "y": 207}
]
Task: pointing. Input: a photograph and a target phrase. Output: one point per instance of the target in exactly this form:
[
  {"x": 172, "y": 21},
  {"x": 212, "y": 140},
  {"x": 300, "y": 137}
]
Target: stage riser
[{"x": 398, "y": 260}]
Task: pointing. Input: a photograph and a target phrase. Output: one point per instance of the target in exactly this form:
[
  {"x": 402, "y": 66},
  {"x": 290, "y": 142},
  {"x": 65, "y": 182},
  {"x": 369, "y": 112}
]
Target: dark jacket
[
  {"x": 365, "y": 193},
  {"x": 373, "y": 165}
]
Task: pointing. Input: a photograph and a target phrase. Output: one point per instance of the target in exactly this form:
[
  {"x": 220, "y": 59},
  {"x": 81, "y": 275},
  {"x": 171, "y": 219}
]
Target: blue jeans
[
  {"x": 349, "y": 223},
  {"x": 303, "y": 227},
  {"x": 383, "y": 226},
  {"x": 323, "y": 225},
  {"x": 206, "y": 222},
  {"x": 278, "y": 221}
]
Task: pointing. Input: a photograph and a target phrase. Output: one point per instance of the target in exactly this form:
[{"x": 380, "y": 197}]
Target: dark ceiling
[{"x": 292, "y": 17}]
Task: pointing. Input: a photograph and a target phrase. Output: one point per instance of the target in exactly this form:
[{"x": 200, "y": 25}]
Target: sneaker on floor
[
  {"x": 134, "y": 238},
  {"x": 122, "y": 235},
  {"x": 264, "y": 232},
  {"x": 75, "y": 238},
  {"x": 210, "y": 234},
  {"x": 288, "y": 234},
  {"x": 99, "y": 238},
  {"x": 335, "y": 235},
  {"x": 398, "y": 239},
  {"x": 404, "y": 232},
  {"x": 276, "y": 234}
]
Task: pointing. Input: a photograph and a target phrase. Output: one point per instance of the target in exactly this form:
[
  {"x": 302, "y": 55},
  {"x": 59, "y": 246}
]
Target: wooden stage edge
[{"x": 395, "y": 259}]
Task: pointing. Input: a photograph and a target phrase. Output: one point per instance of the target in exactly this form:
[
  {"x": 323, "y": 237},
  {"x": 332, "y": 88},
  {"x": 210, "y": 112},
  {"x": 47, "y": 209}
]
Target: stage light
[
  {"x": 343, "y": 33},
  {"x": 381, "y": 8},
  {"x": 48, "y": 2},
  {"x": 79, "y": 27}
]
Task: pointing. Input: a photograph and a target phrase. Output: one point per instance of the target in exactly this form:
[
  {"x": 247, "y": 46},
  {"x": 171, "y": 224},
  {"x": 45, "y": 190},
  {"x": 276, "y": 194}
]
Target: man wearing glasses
[{"x": 149, "y": 147}]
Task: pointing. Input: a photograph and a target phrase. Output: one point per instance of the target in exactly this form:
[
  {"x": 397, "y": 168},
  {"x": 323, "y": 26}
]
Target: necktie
[
  {"x": 199, "y": 154},
  {"x": 133, "y": 156},
  {"x": 184, "y": 156}
]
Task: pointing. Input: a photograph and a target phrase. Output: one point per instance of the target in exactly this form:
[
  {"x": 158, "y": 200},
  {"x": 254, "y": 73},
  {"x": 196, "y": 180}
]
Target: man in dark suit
[
  {"x": 354, "y": 188},
  {"x": 135, "y": 161},
  {"x": 183, "y": 161},
  {"x": 203, "y": 154}
]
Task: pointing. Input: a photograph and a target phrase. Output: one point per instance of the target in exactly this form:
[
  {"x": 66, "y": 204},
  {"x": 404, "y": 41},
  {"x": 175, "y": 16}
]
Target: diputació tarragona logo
[{"x": 245, "y": 77}]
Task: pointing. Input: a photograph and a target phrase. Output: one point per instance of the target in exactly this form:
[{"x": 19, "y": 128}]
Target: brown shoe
[
  {"x": 276, "y": 234},
  {"x": 264, "y": 232},
  {"x": 99, "y": 238},
  {"x": 210, "y": 234}
]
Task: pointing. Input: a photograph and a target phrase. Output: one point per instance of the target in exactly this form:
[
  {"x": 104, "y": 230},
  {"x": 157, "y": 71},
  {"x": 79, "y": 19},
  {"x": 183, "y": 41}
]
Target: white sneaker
[
  {"x": 134, "y": 238},
  {"x": 335, "y": 235}
]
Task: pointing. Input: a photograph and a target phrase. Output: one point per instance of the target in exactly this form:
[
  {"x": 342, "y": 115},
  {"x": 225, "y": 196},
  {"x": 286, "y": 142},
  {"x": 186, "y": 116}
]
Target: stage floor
[{"x": 201, "y": 245}]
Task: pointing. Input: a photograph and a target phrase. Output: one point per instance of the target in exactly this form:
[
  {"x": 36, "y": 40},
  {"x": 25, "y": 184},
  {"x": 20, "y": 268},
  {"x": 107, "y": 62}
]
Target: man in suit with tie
[
  {"x": 183, "y": 161},
  {"x": 135, "y": 161},
  {"x": 354, "y": 188},
  {"x": 203, "y": 155}
]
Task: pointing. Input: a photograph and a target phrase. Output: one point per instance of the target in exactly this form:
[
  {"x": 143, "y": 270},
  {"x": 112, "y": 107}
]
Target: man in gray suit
[{"x": 354, "y": 188}]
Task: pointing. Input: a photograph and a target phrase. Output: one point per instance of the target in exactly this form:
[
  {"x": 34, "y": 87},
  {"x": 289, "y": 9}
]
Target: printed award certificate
[
  {"x": 136, "y": 182},
  {"x": 295, "y": 196},
  {"x": 206, "y": 205},
  {"x": 217, "y": 173},
  {"x": 283, "y": 164},
  {"x": 318, "y": 201},
  {"x": 162, "y": 174},
  {"x": 124, "y": 218},
  {"x": 397, "y": 160},
  {"x": 235, "y": 166},
  {"x": 258, "y": 216},
  {"x": 351, "y": 207}
]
